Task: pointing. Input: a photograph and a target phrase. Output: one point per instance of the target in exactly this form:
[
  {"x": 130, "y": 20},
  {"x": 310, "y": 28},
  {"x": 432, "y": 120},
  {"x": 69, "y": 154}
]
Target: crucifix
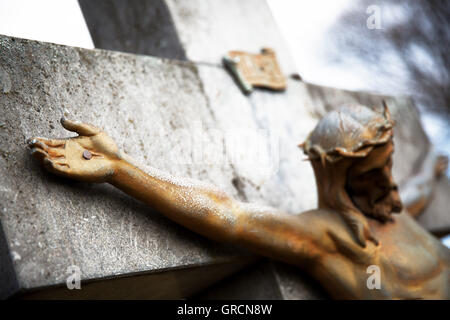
[{"x": 360, "y": 222}]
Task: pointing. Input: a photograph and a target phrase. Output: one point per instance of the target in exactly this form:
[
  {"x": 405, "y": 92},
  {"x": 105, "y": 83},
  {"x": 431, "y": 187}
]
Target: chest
[
  {"x": 408, "y": 263},
  {"x": 408, "y": 252}
]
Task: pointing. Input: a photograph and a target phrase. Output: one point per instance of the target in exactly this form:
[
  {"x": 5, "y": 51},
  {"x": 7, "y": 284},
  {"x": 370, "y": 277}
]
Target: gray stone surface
[
  {"x": 176, "y": 283},
  {"x": 8, "y": 281},
  {"x": 256, "y": 282},
  {"x": 266, "y": 280},
  {"x": 135, "y": 26},
  {"x": 209, "y": 29},
  {"x": 273, "y": 172},
  {"x": 142, "y": 102},
  {"x": 196, "y": 30},
  {"x": 436, "y": 216},
  {"x": 297, "y": 285}
]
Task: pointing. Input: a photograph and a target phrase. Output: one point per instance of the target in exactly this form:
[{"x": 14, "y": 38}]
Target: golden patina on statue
[{"x": 352, "y": 230}]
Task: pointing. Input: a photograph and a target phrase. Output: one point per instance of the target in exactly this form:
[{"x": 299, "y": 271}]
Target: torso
[{"x": 413, "y": 264}]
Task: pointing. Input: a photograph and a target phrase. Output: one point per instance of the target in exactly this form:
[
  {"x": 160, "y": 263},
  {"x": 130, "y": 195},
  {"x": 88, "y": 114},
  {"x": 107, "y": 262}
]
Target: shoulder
[
  {"x": 322, "y": 219},
  {"x": 325, "y": 225},
  {"x": 335, "y": 236}
]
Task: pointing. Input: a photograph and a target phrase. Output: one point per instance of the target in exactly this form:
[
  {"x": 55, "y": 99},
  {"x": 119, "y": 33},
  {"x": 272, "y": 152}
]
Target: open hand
[{"x": 91, "y": 156}]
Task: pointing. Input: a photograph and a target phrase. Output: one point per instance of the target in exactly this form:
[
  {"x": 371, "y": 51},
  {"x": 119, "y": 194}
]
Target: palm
[{"x": 89, "y": 157}]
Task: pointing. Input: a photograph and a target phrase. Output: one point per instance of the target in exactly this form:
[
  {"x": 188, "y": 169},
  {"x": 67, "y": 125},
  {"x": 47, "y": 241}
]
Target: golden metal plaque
[{"x": 256, "y": 70}]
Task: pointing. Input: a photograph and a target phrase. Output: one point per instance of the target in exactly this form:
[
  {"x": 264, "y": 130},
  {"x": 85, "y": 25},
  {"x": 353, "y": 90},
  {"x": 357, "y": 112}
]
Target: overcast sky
[{"x": 56, "y": 21}]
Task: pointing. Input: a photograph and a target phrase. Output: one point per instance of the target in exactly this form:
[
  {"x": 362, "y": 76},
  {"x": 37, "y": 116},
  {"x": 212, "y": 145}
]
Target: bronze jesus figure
[{"x": 354, "y": 226}]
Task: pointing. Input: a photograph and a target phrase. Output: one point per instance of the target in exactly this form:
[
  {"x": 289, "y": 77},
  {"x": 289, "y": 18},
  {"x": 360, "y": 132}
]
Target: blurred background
[
  {"x": 391, "y": 47},
  {"x": 406, "y": 54}
]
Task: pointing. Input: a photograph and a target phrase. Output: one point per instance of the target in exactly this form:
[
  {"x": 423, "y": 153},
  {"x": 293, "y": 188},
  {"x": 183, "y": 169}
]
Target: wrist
[{"x": 118, "y": 169}]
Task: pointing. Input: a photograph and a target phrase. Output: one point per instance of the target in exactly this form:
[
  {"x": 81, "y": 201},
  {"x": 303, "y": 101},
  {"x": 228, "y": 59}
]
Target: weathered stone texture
[
  {"x": 209, "y": 29},
  {"x": 436, "y": 216},
  {"x": 134, "y": 26},
  {"x": 266, "y": 280},
  {"x": 52, "y": 223}
]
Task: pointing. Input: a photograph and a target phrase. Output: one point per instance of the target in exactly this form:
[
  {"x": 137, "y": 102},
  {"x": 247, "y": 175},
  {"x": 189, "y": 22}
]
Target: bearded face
[{"x": 370, "y": 184}]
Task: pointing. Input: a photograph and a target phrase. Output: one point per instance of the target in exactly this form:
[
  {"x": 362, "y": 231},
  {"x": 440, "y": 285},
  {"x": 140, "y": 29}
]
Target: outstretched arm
[{"x": 93, "y": 156}]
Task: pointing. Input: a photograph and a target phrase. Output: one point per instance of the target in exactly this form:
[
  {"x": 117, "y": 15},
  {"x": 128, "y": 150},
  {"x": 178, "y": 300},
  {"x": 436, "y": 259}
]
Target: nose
[
  {"x": 397, "y": 205},
  {"x": 386, "y": 181},
  {"x": 387, "y": 174}
]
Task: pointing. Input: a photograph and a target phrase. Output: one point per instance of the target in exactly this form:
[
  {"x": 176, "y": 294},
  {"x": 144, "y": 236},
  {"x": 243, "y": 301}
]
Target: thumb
[{"x": 83, "y": 129}]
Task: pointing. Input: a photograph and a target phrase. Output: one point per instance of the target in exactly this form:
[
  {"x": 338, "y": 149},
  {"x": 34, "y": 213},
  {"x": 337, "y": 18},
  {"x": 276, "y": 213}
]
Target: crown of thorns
[{"x": 352, "y": 131}]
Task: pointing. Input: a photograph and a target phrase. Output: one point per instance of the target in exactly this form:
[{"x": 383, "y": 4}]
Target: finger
[
  {"x": 35, "y": 143},
  {"x": 55, "y": 168},
  {"x": 83, "y": 129},
  {"x": 358, "y": 230},
  {"x": 361, "y": 239},
  {"x": 56, "y": 152},
  {"x": 96, "y": 155},
  {"x": 63, "y": 164},
  {"x": 53, "y": 142},
  {"x": 43, "y": 143},
  {"x": 374, "y": 240},
  {"x": 39, "y": 154},
  {"x": 370, "y": 236}
]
